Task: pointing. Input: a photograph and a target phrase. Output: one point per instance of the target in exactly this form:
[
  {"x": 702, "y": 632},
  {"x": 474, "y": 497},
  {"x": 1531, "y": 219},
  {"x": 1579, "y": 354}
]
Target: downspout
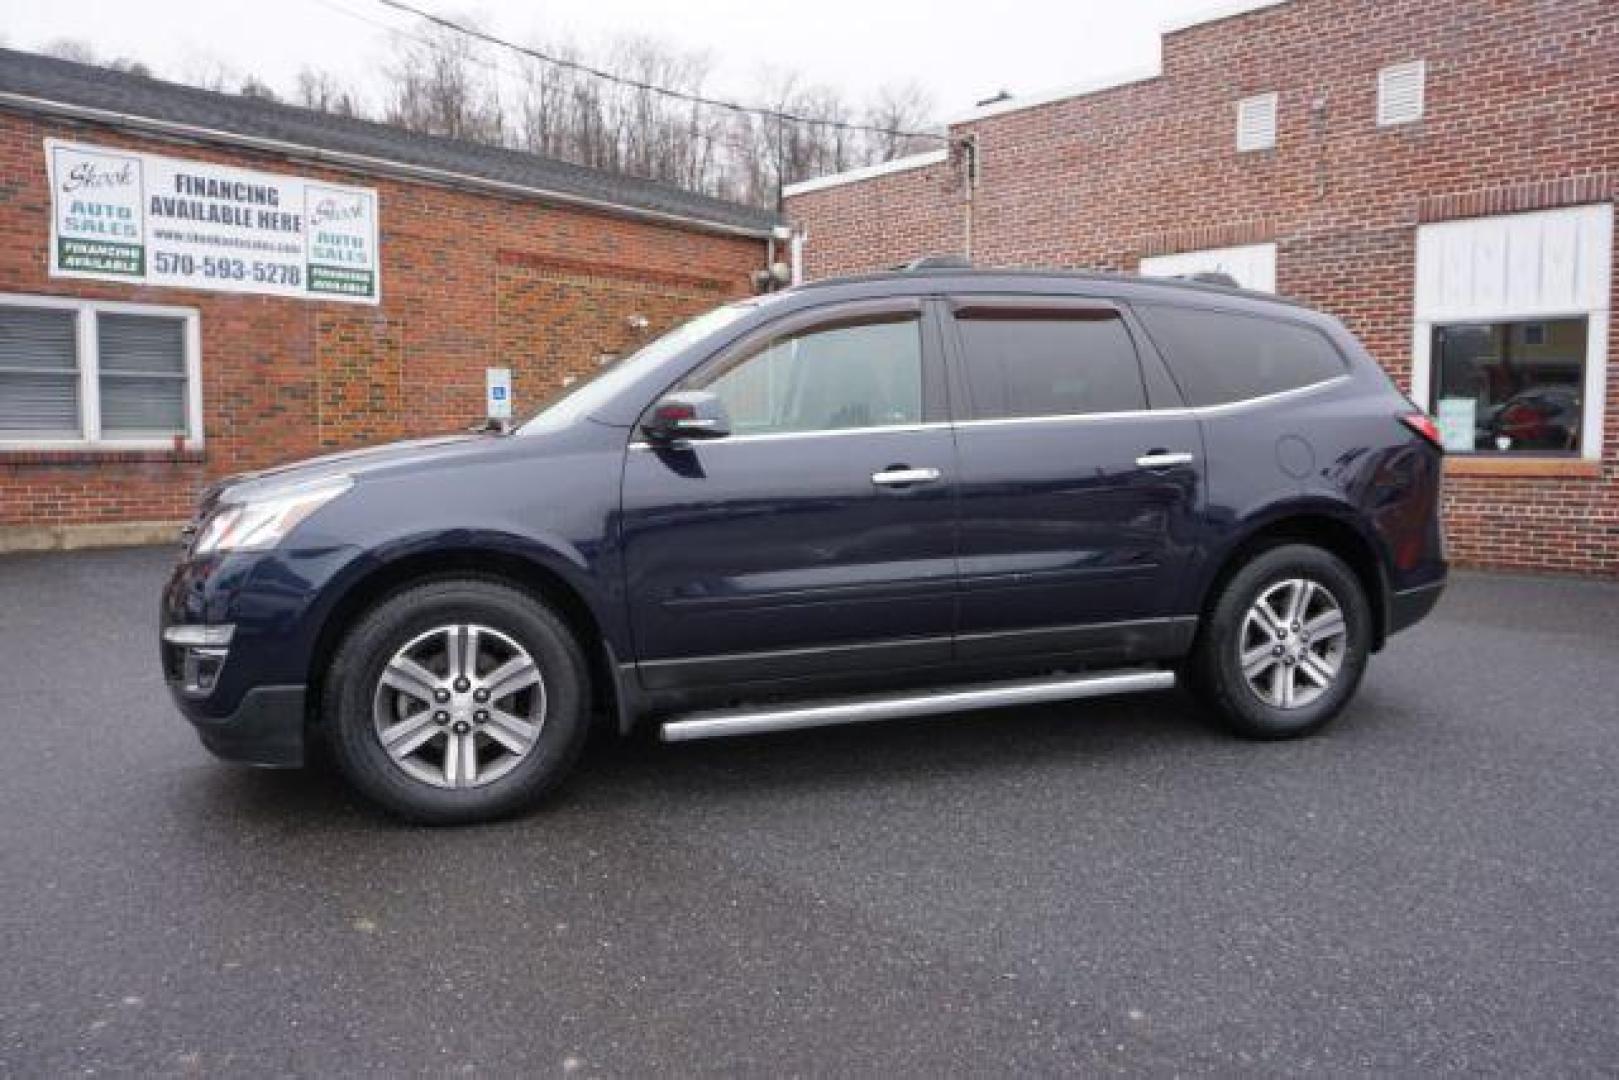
[
  {"x": 796, "y": 258},
  {"x": 969, "y": 161}
]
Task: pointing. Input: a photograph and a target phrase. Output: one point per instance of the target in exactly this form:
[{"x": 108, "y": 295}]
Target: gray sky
[{"x": 960, "y": 52}]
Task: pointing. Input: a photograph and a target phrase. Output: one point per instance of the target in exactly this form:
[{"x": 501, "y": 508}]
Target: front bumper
[
  {"x": 266, "y": 729},
  {"x": 235, "y": 637}
]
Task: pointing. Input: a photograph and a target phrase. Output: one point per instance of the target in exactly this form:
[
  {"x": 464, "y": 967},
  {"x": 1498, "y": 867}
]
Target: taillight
[{"x": 1423, "y": 424}]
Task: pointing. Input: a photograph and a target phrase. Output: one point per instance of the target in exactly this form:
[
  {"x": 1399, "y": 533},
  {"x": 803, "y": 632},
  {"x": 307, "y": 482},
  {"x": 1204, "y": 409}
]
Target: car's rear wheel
[
  {"x": 1284, "y": 645},
  {"x": 457, "y": 700}
]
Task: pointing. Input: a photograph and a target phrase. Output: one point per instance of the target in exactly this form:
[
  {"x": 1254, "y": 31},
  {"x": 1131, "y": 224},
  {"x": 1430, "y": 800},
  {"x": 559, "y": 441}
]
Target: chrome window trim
[
  {"x": 1266, "y": 399},
  {"x": 1055, "y": 418},
  {"x": 777, "y": 436},
  {"x": 1197, "y": 411}
]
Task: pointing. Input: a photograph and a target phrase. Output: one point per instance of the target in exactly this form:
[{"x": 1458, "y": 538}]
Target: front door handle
[
  {"x": 899, "y": 476},
  {"x": 1162, "y": 459}
]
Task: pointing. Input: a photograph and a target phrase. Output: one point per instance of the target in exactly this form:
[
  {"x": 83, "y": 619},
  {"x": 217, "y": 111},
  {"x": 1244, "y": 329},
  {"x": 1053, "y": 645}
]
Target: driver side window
[{"x": 852, "y": 375}]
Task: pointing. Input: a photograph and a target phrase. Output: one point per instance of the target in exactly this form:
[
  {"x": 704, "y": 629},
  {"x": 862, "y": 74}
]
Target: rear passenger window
[
  {"x": 1220, "y": 357},
  {"x": 1026, "y": 363}
]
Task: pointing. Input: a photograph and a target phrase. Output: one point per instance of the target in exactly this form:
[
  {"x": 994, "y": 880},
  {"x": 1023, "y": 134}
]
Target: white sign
[
  {"x": 151, "y": 220},
  {"x": 498, "y": 386},
  {"x": 1458, "y": 420}
]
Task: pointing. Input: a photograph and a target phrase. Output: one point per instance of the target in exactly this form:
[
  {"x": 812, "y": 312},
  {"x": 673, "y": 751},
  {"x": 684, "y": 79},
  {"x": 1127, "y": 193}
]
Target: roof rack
[
  {"x": 937, "y": 262},
  {"x": 1210, "y": 277}
]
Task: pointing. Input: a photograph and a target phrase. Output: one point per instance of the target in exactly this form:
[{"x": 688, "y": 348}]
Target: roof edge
[
  {"x": 1216, "y": 12},
  {"x": 867, "y": 172},
  {"x": 363, "y": 163},
  {"x": 1109, "y": 81}
]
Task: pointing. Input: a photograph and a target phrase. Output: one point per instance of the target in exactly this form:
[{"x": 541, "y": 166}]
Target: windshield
[{"x": 590, "y": 392}]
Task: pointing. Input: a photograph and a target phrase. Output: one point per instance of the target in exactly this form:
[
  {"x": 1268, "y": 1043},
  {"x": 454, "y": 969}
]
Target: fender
[
  {"x": 545, "y": 561},
  {"x": 1224, "y": 540}
]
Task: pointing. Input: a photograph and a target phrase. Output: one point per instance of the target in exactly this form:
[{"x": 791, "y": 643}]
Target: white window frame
[
  {"x": 1393, "y": 71},
  {"x": 1594, "y": 394},
  {"x": 1271, "y": 100},
  {"x": 90, "y": 435}
]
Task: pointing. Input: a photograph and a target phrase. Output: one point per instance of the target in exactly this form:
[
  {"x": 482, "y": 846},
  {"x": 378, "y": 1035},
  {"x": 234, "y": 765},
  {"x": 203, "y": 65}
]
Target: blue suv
[{"x": 909, "y": 493}]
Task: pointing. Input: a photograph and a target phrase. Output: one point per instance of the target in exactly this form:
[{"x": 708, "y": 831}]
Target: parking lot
[{"x": 1103, "y": 887}]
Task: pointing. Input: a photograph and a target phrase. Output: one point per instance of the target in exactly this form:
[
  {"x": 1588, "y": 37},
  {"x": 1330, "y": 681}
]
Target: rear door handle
[
  {"x": 899, "y": 476},
  {"x": 1160, "y": 459}
]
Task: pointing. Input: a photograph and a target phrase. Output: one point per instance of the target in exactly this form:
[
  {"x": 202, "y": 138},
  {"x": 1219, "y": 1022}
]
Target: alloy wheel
[
  {"x": 1292, "y": 643},
  {"x": 459, "y": 706}
]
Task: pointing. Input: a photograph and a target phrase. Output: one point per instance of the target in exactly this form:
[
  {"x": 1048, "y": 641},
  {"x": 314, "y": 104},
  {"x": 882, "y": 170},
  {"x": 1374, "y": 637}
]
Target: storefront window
[{"x": 1510, "y": 387}]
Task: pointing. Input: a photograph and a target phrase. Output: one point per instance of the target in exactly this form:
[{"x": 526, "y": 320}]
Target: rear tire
[
  {"x": 458, "y": 700},
  {"x": 1284, "y": 645}
]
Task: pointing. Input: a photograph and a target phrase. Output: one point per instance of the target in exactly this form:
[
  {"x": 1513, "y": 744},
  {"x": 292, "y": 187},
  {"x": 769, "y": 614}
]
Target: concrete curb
[{"x": 75, "y": 537}]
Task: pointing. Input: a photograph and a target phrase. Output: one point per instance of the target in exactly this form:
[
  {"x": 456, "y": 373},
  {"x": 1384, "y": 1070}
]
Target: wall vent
[
  {"x": 1400, "y": 92},
  {"x": 1256, "y": 123}
]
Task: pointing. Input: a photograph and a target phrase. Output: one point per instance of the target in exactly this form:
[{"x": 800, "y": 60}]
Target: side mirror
[{"x": 692, "y": 414}]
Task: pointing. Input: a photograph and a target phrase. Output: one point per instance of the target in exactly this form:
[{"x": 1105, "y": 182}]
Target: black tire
[
  {"x": 1215, "y": 671},
  {"x": 352, "y": 682}
]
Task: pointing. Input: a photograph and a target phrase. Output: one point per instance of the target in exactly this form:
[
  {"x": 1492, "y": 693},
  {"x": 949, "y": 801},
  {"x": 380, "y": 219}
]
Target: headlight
[{"x": 263, "y": 523}]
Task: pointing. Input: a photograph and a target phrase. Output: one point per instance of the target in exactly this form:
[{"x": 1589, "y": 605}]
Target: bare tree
[
  {"x": 207, "y": 71},
  {"x": 903, "y": 107},
  {"x": 253, "y": 87},
  {"x": 321, "y": 90},
  {"x": 446, "y": 83},
  {"x": 130, "y": 67},
  {"x": 440, "y": 84},
  {"x": 80, "y": 52}
]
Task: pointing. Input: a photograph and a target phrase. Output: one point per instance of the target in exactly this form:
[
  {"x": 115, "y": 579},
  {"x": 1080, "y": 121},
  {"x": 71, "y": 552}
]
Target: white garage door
[{"x": 1253, "y": 265}]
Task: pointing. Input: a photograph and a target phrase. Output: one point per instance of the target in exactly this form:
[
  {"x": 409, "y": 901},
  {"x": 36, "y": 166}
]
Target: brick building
[
  {"x": 326, "y": 282},
  {"x": 1438, "y": 173}
]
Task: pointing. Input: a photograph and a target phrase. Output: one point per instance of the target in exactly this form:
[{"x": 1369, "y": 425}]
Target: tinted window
[
  {"x": 1025, "y": 365},
  {"x": 849, "y": 376},
  {"x": 1219, "y": 357}
]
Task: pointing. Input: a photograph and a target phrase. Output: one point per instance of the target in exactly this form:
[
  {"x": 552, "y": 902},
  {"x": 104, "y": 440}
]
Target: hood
[{"x": 407, "y": 454}]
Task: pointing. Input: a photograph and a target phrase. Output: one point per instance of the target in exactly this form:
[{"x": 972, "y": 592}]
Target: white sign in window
[
  {"x": 153, "y": 220},
  {"x": 1512, "y": 317},
  {"x": 1458, "y": 423}
]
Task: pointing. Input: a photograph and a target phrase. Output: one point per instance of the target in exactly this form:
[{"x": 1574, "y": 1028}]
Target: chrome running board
[{"x": 789, "y": 717}]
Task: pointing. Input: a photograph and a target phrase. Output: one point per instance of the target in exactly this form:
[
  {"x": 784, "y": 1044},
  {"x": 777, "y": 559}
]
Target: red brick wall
[
  {"x": 882, "y": 222},
  {"x": 283, "y": 378},
  {"x": 1522, "y": 112}
]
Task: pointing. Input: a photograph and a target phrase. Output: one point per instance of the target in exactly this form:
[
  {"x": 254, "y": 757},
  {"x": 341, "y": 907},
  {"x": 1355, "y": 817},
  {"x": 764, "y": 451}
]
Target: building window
[
  {"x": 1256, "y": 122},
  {"x": 79, "y": 373},
  {"x": 1510, "y": 387},
  {"x": 1400, "y": 89},
  {"x": 1510, "y": 343}
]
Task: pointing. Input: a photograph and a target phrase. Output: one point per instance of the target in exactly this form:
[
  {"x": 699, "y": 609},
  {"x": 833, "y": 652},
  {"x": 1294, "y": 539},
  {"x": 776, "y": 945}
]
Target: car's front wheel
[
  {"x": 1285, "y": 643},
  {"x": 457, "y": 700}
]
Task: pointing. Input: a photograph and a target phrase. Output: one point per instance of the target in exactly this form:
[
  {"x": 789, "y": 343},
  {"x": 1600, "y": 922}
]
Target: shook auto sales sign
[{"x": 121, "y": 216}]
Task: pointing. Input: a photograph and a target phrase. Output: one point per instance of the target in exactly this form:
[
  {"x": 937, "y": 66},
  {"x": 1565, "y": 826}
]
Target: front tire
[
  {"x": 1285, "y": 644},
  {"x": 456, "y": 701}
]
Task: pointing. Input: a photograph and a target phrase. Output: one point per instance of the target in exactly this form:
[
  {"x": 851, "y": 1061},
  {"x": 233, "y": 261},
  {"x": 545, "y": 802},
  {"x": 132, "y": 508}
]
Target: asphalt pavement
[{"x": 1105, "y": 887}]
